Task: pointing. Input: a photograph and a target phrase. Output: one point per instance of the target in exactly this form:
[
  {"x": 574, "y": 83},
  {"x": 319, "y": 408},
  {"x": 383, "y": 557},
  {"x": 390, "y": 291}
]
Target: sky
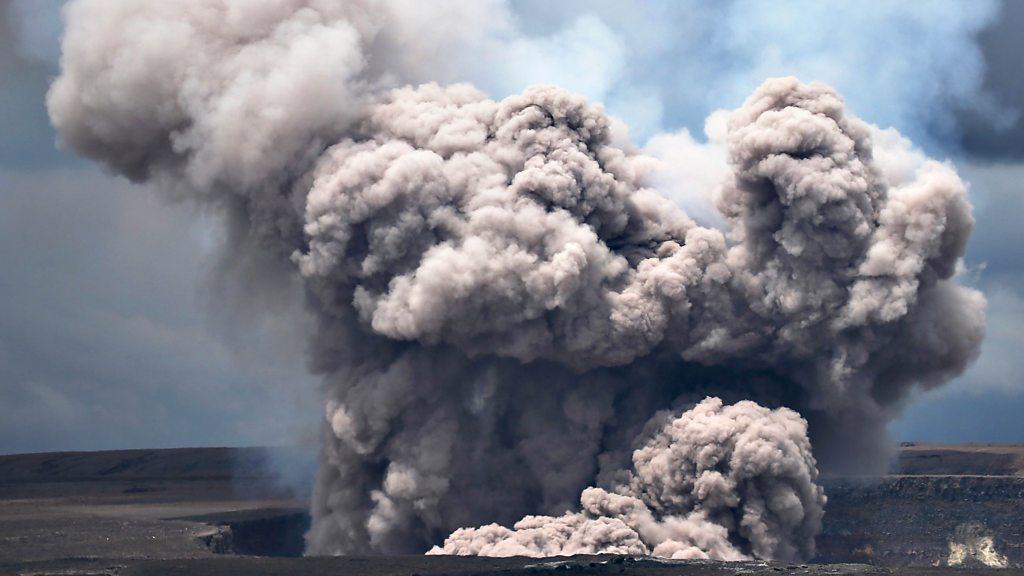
[{"x": 110, "y": 332}]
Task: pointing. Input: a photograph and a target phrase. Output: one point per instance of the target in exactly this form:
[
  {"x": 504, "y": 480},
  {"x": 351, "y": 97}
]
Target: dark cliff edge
[{"x": 968, "y": 521}]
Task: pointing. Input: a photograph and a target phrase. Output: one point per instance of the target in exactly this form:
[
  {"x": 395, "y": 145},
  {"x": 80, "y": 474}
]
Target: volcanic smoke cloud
[
  {"x": 713, "y": 481},
  {"x": 509, "y": 311}
]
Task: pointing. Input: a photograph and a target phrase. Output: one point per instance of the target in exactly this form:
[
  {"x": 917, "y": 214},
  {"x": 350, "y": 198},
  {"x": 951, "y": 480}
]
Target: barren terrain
[{"x": 218, "y": 511}]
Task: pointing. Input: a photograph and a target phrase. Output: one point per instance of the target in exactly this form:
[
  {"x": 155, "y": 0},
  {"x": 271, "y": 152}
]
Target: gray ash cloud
[
  {"x": 507, "y": 304},
  {"x": 721, "y": 482}
]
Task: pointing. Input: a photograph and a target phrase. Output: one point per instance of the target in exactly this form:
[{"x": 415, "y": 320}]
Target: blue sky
[{"x": 109, "y": 336}]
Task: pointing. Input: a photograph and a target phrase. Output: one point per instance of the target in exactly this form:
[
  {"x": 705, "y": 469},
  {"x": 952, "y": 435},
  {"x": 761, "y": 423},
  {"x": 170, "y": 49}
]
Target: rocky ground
[{"x": 218, "y": 512}]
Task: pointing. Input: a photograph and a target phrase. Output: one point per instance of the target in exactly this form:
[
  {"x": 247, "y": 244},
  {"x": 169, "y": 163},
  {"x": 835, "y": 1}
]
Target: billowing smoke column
[
  {"x": 507, "y": 308},
  {"x": 712, "y": 483}
]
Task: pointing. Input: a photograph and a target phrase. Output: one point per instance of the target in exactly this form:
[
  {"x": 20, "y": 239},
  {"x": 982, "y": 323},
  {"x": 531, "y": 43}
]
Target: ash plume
[
  {"x": 505, "y": 302},
  {"x": 721, "y": 482}
]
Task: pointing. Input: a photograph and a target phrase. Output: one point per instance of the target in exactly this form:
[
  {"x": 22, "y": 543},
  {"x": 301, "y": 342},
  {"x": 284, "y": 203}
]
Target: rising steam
[{"x": 507, "y": 302}]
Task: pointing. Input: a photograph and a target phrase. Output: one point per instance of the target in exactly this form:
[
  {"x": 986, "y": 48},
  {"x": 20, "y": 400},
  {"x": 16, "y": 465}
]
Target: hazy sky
[{"x": 108, "y": 334}]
